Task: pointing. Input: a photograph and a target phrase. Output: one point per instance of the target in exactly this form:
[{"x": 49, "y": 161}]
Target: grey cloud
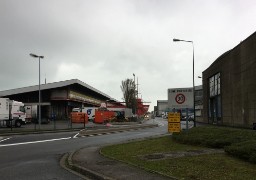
[{"x": 104, "y": 42}]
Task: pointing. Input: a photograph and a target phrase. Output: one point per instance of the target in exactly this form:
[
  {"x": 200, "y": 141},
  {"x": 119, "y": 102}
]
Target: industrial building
[
  {"x": 199, "y": 103},
  {"x": 162, "y": 107},
  {"x": 229, "y": 85},
  {"x": 59, "y": 98}
]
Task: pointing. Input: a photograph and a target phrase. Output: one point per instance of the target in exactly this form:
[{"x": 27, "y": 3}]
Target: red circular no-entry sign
[{"x": 180, "y": 98}]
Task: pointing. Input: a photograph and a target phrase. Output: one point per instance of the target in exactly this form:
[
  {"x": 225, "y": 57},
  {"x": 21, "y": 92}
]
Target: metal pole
[
  {"x": 194, "y": 94},
  {"x": 176, "y": 40},
  {"x": 39, "y": 98},
  {"x": 135, "y": 103},
  {"x": 187, "y": 119},
  {"x": 84, "y": 120}
]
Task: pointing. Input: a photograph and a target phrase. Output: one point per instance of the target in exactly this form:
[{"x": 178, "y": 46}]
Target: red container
[
  {"x": 104, "y": 116},
  {"x": 79, "y": 117}
]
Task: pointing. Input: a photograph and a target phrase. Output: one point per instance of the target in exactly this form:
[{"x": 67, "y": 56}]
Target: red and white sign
[{"x": 180, "y": 98}]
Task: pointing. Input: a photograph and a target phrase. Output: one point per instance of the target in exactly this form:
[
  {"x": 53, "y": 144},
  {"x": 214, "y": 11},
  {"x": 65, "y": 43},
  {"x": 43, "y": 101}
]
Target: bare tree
[{"x": 128, "y": 89}]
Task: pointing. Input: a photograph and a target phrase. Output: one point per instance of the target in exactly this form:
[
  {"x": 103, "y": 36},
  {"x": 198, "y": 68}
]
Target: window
[
  {"x": 214, "y": 110},
  {"x": 22, "y": 108},
  {"x": 214, "y": 84}
]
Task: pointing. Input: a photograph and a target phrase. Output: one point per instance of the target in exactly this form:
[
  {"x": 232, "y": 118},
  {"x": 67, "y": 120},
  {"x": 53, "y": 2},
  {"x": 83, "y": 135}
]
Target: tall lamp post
[
  {"x": 177, "y": 40},
  {"x": 39, "y": 105},
  {"x": 135, "y": 95}
]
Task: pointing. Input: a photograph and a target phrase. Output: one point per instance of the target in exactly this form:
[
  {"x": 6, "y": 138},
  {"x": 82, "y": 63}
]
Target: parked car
[
  {"x": 190, "y": 118},
  {"x": 146, "y": 117}
]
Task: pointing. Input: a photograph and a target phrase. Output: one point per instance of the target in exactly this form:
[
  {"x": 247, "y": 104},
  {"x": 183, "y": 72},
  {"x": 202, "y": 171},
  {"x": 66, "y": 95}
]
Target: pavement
[{"x": 89, "y": 163}]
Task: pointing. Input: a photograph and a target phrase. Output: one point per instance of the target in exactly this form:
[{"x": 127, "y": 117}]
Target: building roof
[
  {"x": 229, "y": 51},
  {"x": 51, "y": 86}
]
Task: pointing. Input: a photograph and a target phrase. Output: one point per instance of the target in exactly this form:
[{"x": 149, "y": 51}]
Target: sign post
[
  {"x": 173, "y": 122},
  {"x": 180, "y": 98}
]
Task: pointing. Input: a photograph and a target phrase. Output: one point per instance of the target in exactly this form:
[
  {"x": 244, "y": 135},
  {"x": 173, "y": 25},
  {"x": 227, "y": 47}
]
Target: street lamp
[
  {"x": 177, "y": 40},
  {"x": 39, "y": 105},
  {"x": 134, "y": 95}
]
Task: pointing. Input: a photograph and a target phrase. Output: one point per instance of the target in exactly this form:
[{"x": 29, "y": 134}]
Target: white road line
[
  {"x": 4, "y": 139},
  {"x": 75, "y": 136},
  {"x": 160, "y": 124},
  {"x": 34, "y": 142}
]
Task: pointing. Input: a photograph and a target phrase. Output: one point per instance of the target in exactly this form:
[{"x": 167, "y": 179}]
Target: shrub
[
  {"x": 214, "y": 136},
  {"x": 244, "y": 150}
]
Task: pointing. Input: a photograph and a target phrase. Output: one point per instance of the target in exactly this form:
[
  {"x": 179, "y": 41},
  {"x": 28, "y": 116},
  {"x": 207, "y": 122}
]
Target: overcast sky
[{"x": 102, "y": 42}]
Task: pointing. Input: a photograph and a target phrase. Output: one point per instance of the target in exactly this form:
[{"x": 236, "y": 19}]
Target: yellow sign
[
  {"x": 173, "y": 122},
  {"x": 173, "y": 127},
  {"x": 173, "y": 117}
]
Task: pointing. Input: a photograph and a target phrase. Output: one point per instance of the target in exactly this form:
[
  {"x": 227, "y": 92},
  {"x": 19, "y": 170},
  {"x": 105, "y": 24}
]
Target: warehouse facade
[
  {"x": 59, "y": 98},
  {"x": 162, "y": 107},
  {"x": 229, "y": 85}
]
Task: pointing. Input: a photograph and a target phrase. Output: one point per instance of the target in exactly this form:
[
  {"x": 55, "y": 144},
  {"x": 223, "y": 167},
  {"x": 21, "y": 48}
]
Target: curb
[
  {"x": 67, "y": 163},
  {"x": 143, "y": 168},
  {"x": 78, "y": 170},
  {"x": 64, "y": 164}
]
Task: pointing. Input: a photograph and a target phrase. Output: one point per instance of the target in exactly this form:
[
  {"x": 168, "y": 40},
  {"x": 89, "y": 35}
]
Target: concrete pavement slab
[{"x": 90, "y": 158}]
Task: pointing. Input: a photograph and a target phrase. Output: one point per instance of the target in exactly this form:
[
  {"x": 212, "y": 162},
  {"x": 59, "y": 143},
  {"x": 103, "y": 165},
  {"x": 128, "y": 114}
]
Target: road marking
[
  {"x": 75, "y": 136},
  {"x": 34, "y": 142},
  {"x": 4, "y": 139},
  {"x": 160, "y": 124}
]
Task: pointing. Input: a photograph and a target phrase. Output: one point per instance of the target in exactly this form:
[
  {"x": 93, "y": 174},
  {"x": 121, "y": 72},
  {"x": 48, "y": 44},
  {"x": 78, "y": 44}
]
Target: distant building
[
  {"x": 199, "y": 102},
  {"x": 155, "y": 110},
  {"x": 162, "y": 107},
  {"x": 229, "y": 84},
  {"x": 59, "y": 98}
]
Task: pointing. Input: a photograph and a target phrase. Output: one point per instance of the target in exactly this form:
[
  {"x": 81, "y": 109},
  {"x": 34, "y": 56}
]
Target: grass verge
[{"x": 205, "y": 166}]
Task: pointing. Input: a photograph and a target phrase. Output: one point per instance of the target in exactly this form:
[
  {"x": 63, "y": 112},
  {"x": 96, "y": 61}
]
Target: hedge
[{"x": 239, "y": 143}]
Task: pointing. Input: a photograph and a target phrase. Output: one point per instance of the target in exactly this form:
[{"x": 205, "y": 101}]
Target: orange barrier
[
  {"x": 79, "y": 117},
  {"x": 104, "y": 116}
]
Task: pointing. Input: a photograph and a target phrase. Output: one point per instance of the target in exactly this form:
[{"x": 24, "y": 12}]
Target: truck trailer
[{"x": 12, "y": 112}]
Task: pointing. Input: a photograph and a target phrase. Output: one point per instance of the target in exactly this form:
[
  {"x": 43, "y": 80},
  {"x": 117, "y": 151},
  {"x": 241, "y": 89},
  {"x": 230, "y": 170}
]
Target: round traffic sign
[{"x": 180, "y": 98}]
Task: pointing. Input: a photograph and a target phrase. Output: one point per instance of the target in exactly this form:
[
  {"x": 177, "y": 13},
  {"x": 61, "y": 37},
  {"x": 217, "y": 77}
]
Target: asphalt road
[{"x": 37, "y": 156}]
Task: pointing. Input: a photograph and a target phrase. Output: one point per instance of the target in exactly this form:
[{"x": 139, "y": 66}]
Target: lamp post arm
[{"x": 176, "y": 40}]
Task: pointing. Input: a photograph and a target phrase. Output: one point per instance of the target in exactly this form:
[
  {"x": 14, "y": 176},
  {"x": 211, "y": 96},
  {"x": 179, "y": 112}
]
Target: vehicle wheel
[{"x": 17, "y": 123}]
